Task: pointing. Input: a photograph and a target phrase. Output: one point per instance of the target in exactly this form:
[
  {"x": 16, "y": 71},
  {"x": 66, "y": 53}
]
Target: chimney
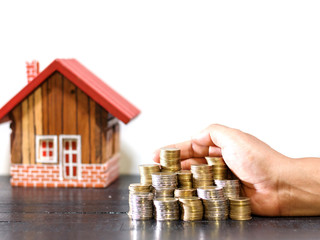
[{"x": 32, "y": 70}]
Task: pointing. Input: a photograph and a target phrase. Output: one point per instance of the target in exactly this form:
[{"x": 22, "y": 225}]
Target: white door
[{"x": 70, "y": 156}]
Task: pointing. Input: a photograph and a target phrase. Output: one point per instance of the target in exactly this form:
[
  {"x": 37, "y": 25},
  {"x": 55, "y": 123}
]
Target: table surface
[{"x": 31, "y": 213}]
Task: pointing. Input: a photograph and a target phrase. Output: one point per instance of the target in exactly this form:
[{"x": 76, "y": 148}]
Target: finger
[
  {"x": 214, "y": 151},
  {"x": 212, "y": 136},
  {"x": 187, "y": 150},
  {"x": 186, "y": 164}
]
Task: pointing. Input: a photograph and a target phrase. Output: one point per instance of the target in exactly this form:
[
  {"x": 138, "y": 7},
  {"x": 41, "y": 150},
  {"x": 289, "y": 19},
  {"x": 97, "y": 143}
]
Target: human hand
[{"x": 257, "y": 165}]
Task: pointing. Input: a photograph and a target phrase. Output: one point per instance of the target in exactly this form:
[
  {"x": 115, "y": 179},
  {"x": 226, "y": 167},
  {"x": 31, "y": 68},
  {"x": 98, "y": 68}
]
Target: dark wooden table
[{"x": 30, "y": 213}]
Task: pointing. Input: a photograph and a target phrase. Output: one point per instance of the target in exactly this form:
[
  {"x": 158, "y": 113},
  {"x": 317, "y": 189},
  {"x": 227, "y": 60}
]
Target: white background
[{"x": 253, "y": 65}]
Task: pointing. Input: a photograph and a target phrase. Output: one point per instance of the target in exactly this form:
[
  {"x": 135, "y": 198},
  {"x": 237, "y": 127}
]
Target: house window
[
  {"x": 70, "y": 155},
  {"x": 46, "y": 149}
]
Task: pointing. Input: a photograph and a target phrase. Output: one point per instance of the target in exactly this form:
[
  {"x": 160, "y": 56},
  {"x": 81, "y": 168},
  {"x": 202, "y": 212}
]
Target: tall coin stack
[
  {"x": 141, "y": 205},
  {"x": 214, "y": 201},
  {"x": 184, "y": 179},
  {"x": 166, "y": 209},
  {"x": 240, "y": 208},
  {"x": 164, "y": 184},
  {"x": 145, "y": 172},
  {"x": 170, "y": 160},
  {"x": 202, "y": 175},
  {"x": 220, "y": 169},
  {"x": 231, "y": 187},
  {"x": 191, "y": 208}
]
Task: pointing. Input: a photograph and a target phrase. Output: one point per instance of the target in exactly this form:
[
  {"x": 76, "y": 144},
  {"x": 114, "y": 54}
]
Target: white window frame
[
  {"x": 39, "y": 158},
  {"x": 71, "y": 164}
]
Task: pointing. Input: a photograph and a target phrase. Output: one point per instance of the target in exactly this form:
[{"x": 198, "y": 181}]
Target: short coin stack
[
  {"x": 202, "y": 175},
  {"x": 220, "y": 168},
  {"x": 164, "y": 183},
  {"x": 145, "y": 172},
  {"x": 231, "y": 187},
  {"x": 214, "y": 201},
  {"x": 141, "y": 205},
  {"x": 166, "y": 209},
  {"x": 184, "y": 179},
  {"x": 170, "y": 159},
  {"x": 191, "y": 209},
  {"x": 240, "y": 208},
  {"x": 185, "y": 192}
]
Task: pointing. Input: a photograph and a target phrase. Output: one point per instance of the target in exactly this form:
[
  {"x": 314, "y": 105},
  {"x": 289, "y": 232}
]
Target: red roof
[{"x": 89, "y": 83}]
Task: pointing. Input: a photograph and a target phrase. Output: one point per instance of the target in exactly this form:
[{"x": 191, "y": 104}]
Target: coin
[
  {"x": 170, "y": 159},
  {"x": 184, "y": 179},
  {"x": 240, "y": 208},
  {"x": 185, "y": 192},
  {"x": 145, "y": 172},
  {"x": 140, "y": 206},
  {"x": 210, "y": 192},
  {"x": 202, "y": 175},
  {"x": 231, "y": 187},
  {"x": 166, "y": 209},
  {"x": 191, "y": 208}
]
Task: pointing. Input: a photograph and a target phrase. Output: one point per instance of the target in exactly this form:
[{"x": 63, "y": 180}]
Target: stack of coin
[
  {"x": 138, "y": 187},
  {"x": 163, "y": 192},
  {"x": 185, "y": 192},
  {"x": 210, "y": 192},
  {"x": 240, "y": 208},
  {"x": 184, "y": 179},
  {"x": 214, "y": 201},
  {"x": 166, "y": 209},
  {"x": 145, "y": 172},
  {"x": 191, "y": 209},
  {"x": 164, "y": 180},
  {"x": 231, "y": 187},
  {"x": 202, "y": 175},
  {"x": 170, "y": 159},
  {"x": 220, "y": 169},
  {"x": 215, "y": 209},
  {"x": 141, "y": 205},
  {"x": 164, "y": 184}
]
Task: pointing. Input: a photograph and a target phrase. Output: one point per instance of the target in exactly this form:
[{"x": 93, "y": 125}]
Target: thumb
[{"x": 213, "y": 135}]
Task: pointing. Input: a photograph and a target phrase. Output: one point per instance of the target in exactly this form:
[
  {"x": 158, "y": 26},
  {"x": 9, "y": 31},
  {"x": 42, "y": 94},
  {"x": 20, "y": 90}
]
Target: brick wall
[{"x": 93, "y": 175}]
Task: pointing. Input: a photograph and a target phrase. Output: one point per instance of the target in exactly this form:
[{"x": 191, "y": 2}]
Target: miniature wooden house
[{"x": 65, "y": 129}]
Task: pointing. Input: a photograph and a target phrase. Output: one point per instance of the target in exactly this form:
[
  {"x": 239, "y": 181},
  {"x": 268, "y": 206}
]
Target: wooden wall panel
[
  {"x": 83, "y": 125},
  {"x": 54, "y": 95},
  {"x": 25, "y": 132},
  {"x": 104, "y": 127},
  {"x": 69, "y": 108},
  {"x": 38, "y": 111},
  {"x": 45, "y": 107},
  {"x": 109, "y": 142},
  {"x": 98, "y": 134},
  {"x": 117, "y": 138},
  {"x": 31, "y": 129},
  {"x": 92, "y": 120},
  {"x": 16, "y": 135}
]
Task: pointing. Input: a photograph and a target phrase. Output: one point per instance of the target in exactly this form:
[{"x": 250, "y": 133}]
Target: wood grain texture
[
  {"x": 16, "y": 134},
  {"x": 45, "y": 108},
  {"x": 98, "y": 135},
  {"x": 69, "y": 107},
  {"x": 83, "y": 124},
  {"x": 117, "y": 138},
  {"x": 25, "y": 132},
  {"x": 109, "y": 142},
  {"x": 104, "y": 127},
  {"x": 92, "y": 120},
  {"x": 38, "y": 111},
  {"x": 55, "y": 104},
  {"x": 31, "y": 129}
]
